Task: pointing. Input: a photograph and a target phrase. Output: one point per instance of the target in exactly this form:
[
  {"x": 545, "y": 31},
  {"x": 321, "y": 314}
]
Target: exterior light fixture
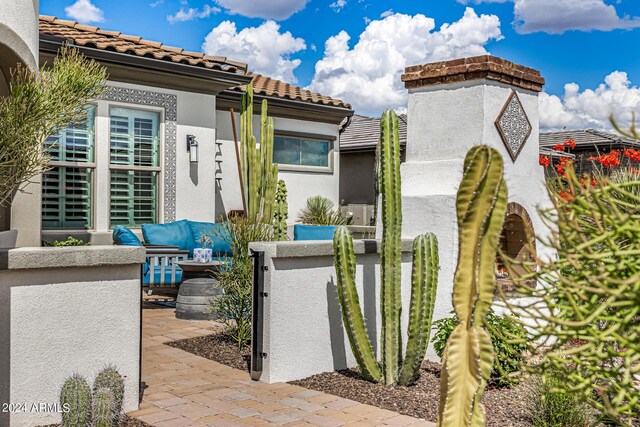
[{"x": 192, "y": 148}]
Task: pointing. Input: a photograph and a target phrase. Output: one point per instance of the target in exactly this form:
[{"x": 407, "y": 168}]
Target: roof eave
[{"x": 222, "y": 79}]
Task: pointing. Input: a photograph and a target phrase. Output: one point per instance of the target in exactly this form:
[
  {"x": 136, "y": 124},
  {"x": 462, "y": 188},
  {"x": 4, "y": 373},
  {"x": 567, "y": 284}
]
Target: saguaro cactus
[
  {"x": 423, "y": 281},
  {"x": 259, "y": 173},
  {"x": 468, "y": 357},
  {"x": 281, "y": 213},
  {"x": 76, "y": 398},
  {"x": 102, "y": 408},
  {"x": 111, "y": 379}
]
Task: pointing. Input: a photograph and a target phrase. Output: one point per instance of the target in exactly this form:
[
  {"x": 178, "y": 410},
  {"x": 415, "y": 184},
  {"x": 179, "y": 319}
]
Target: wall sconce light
[{"x": 192, "y": 148}]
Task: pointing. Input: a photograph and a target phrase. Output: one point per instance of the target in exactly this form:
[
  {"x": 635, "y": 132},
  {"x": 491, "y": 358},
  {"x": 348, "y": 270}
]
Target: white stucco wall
[
  {"x": 300, "y": 184},
  {"x": 303, "y": 330},
  {"x": 57, "y": 321},
  {"x": 444, "y": 122},
  {"x": 19, "y": 28}
]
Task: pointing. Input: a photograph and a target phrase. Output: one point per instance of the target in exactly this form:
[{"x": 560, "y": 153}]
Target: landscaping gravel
[
  {"x": 126, "y": 421},
  {"x": 503, "y": 405}
]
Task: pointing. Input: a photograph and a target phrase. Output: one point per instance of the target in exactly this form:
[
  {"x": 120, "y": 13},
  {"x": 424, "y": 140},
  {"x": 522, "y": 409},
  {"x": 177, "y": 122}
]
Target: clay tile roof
[
  {"x": 266, "y": 86},
  {"x": 363, "y": 133},
  {"x": 91, "y": 36},
  {"x": 587, "y": 139}
]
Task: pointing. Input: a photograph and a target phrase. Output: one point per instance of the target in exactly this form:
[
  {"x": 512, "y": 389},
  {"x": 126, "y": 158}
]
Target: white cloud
[
  {"x": 272, "y": 9},
  {"x": 84, "y": 12},
  {"x": 591, "y": 108},
  {"x": 386, "y": 13},
  {"x": 192, "y": 13},
  {"x": 368, "y": 75},
  {"x": 558, "y": 16},
  {"x": 156, "y": 3},
  {"x": 264, "y": 48},
  {"x": 338, "y": 5}
]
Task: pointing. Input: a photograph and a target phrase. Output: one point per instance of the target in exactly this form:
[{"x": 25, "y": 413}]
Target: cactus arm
[
  {"x": 281, "y": 213},
  {"x": 345, "y": 264},
  {"x": 391, "y": 251},
  {"x": 481, "y": 205},
  {"x": 424, "y": 282}
]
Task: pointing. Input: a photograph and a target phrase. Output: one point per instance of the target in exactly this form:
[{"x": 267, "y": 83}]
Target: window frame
[
  {"x": 80, "y": 165},
  {"x": 158, "y": 169},
  {"x": 285, "y": 167}
]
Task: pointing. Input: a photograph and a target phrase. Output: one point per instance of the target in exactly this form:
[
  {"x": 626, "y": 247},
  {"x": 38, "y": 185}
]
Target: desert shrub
[
  {"x": 586, "y": 308},
  {"x": 508, "y": 337},
  {"x": 71, "y": 241},
  {"x": 549, "y": 405},
  {"x": 320, "y": 211},
  {"x": 233, "y": 307}
]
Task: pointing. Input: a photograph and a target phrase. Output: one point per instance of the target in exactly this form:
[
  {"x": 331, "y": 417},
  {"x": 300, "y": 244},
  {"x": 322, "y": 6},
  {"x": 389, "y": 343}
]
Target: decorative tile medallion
[
  {"x": 170, "y": 104},
  {"x": 513, "y": 125}
]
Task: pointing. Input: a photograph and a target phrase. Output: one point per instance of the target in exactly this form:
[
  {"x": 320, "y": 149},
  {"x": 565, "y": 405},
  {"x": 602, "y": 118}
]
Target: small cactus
[
  {"x": 281, "y": 213},
  {"x": 102, "y": 408},
  {"x": 75, "y": 397},
  {"x": 110, "y": 378}
]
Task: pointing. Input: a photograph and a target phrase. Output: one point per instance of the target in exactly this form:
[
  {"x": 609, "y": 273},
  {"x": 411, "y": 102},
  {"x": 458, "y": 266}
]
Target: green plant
[
  {"x": 233, "y": 307},
  {"x": 75, "y": 397},
  {"x": 508, "y": 340},
  {"x": 468, "y": 357},
  {"x": 71, "y": 241},
  {"x": 320, "y": 211},
  {"x": 549, "y": 405},
  {"x": 40, "y": 103},
  {"x": 102, "y": 408},
  {"x": 281, "y": 213},
  {"x": 424, "y": 279},
  {"x": 111, "y": 379},
  {"x": 259, "y": 173},
  {"x": 586, "y": 308}
]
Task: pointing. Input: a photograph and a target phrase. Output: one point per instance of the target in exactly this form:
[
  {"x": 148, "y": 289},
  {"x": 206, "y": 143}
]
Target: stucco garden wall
[
  {"x": 303, "y": 330},
  {"x": 65, "y": 311},
  {"x": 300, "y": 184}
]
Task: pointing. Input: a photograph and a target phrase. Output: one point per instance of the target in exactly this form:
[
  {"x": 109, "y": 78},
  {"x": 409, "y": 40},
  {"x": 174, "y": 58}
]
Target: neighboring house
[
  {"x": 589, "y": 143},
  {"x": 158, "y": 146},
  {"x": 358, "y": 143}
]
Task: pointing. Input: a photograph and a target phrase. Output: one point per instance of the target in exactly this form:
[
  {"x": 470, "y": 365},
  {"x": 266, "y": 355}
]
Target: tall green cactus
[
  {"x": 281, "y": 213},
  {"x": 481, "y": 207},
  {"x": 75, "y": 397},
  {"x": 102, "y": 408},
  {"x": 423, "y": 280},
  {"x": 259, "y": 173}
]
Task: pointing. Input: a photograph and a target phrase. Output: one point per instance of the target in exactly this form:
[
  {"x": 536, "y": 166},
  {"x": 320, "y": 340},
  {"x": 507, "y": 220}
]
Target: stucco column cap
[{"x": 76, "y": 256}]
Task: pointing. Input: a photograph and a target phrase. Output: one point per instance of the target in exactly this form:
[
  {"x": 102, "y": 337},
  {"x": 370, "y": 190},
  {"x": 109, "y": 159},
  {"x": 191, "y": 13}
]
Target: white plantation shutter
[
  {"x": 67, "y": 187},
  {"x": 135, "y": 161}
]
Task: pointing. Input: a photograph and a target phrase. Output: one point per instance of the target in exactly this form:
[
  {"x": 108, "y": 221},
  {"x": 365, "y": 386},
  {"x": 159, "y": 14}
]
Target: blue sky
[{"x": 370, "y": 41}]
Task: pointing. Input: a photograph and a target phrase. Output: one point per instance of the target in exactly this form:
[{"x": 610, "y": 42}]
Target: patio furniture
[
  {"x": 197, "y": 289},
  {"x": 313, "y": 232}
]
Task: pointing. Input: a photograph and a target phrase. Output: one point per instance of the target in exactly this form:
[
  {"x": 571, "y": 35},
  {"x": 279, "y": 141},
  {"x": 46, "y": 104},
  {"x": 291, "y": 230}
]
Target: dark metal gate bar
[{"x": 257, "y": 314}]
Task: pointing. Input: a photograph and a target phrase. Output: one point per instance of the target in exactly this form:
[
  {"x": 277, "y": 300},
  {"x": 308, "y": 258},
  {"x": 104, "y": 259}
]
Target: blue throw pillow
[
  {"x": 175, "y": 233},
  {"x": 123, "y": 236},
  {"x": 219, "y": 246},
  {"x": 313, "y": 232}
]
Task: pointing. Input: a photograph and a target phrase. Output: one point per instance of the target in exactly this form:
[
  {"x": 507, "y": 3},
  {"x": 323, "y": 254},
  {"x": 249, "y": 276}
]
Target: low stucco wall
[
  {"x": 303, "y": 331},
  {"x": 65, "y": 311}
]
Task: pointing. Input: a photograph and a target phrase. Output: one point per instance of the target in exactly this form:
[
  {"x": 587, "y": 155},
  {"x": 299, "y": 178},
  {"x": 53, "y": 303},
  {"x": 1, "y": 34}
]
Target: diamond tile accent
[{"x": 514, "y": 125}]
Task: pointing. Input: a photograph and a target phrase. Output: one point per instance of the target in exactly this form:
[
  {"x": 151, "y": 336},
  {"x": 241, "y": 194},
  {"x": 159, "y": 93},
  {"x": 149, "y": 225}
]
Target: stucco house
[{"x": 158, "y": 146}]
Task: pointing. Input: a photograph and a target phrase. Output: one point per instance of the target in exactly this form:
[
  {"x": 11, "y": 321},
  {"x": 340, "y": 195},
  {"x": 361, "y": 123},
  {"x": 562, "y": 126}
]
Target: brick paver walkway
[{"x": 188, "y": 390}]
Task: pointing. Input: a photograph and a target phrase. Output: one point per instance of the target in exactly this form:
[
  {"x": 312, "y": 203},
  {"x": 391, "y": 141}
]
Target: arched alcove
[{"x": 517, "y": 241}]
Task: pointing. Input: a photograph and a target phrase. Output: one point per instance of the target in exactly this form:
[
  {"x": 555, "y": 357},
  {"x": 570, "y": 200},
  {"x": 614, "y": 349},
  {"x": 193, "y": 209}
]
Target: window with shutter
[
  {"x": 135, "y": 165},
  {"x": 67, "y": 187}
]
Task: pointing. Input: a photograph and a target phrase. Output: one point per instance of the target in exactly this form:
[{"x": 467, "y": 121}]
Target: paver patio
[{"x": 188, "y": 390}]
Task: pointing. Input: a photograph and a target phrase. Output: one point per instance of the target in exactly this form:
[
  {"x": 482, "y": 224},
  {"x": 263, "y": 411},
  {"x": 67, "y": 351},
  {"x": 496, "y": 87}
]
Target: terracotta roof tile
[
  {"x": 91, "y": 36},
  {"x": 266, "y": 86}
]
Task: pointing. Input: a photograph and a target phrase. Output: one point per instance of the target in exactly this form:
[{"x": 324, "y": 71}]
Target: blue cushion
[
  {"x": 123, "y": 236},
  {"x": 146, "y": 279},
  {"x": 176, "y": 233},
  {"x": 313, "y": 232},
  {"x": 213, "y": 231}
]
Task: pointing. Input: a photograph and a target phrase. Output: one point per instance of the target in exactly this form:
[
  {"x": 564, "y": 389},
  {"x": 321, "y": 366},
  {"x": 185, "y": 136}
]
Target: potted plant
[
  {"x": 319, "y": 220},
  {"x": 203, "y": 254},
  {"x": 40, "y": 102}
]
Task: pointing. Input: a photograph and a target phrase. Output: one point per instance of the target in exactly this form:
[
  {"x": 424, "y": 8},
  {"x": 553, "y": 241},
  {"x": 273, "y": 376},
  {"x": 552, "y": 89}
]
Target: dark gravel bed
[
  {"x": 216, "y": 347},
  {"x": 504, "y": 405}
]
